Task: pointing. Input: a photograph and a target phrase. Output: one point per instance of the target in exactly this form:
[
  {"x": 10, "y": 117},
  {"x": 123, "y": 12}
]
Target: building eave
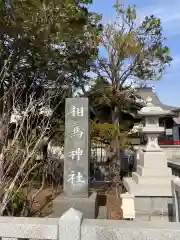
[{"x": 144, "y": 93}]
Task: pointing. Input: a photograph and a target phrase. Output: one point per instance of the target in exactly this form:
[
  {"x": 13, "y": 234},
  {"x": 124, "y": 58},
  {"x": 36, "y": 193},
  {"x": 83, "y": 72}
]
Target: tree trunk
[
  {"x": 115, "y": 120},
  {"x": 1, "y": 99}
]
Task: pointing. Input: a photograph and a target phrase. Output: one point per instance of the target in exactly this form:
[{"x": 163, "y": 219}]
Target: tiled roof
[{"x": 144, "y": 93}]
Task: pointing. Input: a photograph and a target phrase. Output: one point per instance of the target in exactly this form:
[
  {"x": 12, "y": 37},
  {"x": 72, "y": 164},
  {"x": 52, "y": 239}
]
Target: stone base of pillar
[{"x": 88, "y": 206}]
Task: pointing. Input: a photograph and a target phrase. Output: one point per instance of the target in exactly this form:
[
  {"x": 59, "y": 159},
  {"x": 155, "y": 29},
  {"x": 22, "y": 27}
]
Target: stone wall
[
  {"x": 128, "y": 230},
  {"x": 175, "y": 184},
  {"x": 73, "y": 226},
  {"x": 175, "y": 167}
]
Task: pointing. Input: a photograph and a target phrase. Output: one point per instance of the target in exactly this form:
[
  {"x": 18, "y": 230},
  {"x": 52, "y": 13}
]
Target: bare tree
[{"x": 24, "y": 165}]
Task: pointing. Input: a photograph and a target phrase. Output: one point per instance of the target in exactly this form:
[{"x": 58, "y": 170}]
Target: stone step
[
  {"x": 143, "y": 171},
  {"x": 150, "y": 190},
  {"x": 153, "y": 218},
  {"x": 151, "y": 180}
]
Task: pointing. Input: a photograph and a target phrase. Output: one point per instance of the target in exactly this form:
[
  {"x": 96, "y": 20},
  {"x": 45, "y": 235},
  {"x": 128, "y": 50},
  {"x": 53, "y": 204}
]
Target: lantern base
[
  {"x": 147, "y": 190},
  {"x": 153, "y": 177}
]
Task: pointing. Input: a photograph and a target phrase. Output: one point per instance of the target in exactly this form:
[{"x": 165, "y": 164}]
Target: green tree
[
  {"x": 130, "y": 53},
  {"x": 45, "y": 44}
]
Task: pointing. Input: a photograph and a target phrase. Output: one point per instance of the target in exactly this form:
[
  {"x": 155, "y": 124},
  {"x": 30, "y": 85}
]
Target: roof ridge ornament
[{"x": 149, "y": 101}]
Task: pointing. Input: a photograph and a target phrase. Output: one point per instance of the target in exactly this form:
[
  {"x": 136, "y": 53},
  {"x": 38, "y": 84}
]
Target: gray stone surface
[
  {"x": 154, "y": 207},
  {"x": 77, "y": 148},
  {"x": 174, "y": 164},
  {"x": 174, "y": 202},
  {"x": 153, "y": 218},
  {"x": 76, "y": 162},
  {"x": 88, "y": 206},
  {"x": 172, "y": 151},
  {"x": 147, "y": 190},
  {"x": 176, "y": 198},
  {"x": 28, "y": 228},
  {"x": 152, "y": 178},
  {"x": 128, "y": 230},
  {"x": 102, "y": 214},
  {"x": 70, "y": 225}
]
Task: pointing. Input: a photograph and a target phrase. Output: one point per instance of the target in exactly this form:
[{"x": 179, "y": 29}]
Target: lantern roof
[{"x": 151, "y": 110}]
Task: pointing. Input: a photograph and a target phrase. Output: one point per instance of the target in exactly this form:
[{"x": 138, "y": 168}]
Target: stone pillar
[
  {"x": 70, "y": 225},
  {"x": 76, "y": 161},
  {"x": 77, "y": 149}
]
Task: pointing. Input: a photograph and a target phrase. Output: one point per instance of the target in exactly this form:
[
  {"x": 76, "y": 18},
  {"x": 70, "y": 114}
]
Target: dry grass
[
  {"x": 42, "y": 204},
  {"x": 109, "y": 196},
  {"x": 114, "y": 203},
  {"x": 114, "y": 210}
]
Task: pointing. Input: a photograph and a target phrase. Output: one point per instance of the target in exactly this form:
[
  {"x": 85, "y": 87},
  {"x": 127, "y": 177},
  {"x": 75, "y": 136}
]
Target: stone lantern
[
  {"x": 151, "y": 129},
  {"x": 153, "y": 177}
]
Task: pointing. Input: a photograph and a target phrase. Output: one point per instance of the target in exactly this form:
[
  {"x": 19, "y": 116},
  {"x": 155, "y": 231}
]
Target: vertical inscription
[{"x": 76, "y": 162}]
